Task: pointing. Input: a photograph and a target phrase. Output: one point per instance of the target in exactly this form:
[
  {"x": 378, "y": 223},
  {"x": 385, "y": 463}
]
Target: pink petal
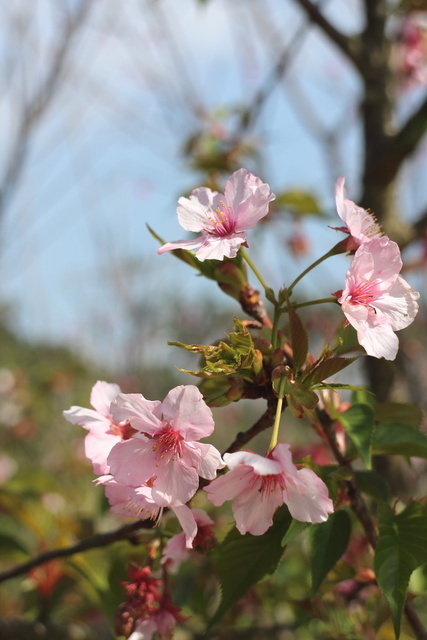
[
  {"x": 380, "y": 342},
  {"x": 193, "y": 212},
  {"x": 187, "y": 412},
  {"x": 307, "y": 497},
  {"x": 133, "y": 462},
  {"x": 205, "y": 458},
  {"x": 188, "y": 523},
  {"x": 102, "y": 395},
  {"x": 97, "y": 448},
  {"x": 261, "y": 465},
  {"x": 229, "y": 485},
  {"x": 254, "y": 509},
  {"x": 189, "y": 245},
  {"x": 86, "y": 418},
  {"x": 399, "y": 304},
  {"x": 218, "y": 248},
  {"x": 144, "y": 415},
  {"x": 175, "y": 483}
]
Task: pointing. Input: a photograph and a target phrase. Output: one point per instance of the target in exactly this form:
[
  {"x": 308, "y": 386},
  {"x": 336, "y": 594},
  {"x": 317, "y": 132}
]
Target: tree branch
[
  {"x": 265, "y": 421},
  {"x": 96, "y": 541},
  {"x": 349, "y": 46}
]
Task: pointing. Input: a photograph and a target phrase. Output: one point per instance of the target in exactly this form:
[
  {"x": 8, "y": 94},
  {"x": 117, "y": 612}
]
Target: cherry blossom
[
  {"x": 176, "y": 549},
  {"x": 259, "y": 485},
  {"x": 222, "y": 218},
  {"x": 104, "y": 431},
  {"x": 376, "y": 300},
  {"x": 359, "y": 224},
  {"x": 138, "y": 502},
  {"x": 146, "y": 610},
  {"x": 164, "y": 451}
]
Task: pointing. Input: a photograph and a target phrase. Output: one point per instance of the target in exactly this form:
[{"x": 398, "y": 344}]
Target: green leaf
[
  {"x": 296, "y": 527},
  {"x": 405, "y": 413},
  {"x": 372, "y": 483},
  {"x": 299, "y": 339},
  {"x": 393, "y": 438},
  {"x": 401, "y": 548},
  {"x": 301, "y": 203},
  {"x": 358, "y": 422},
  {"x": 243, "y": 560},
  {"x": 327, "y": 542},
  {"x": 326, "y": 368}
]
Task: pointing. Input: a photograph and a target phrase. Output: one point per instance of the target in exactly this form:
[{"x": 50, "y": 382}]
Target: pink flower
[
  {"x": 162, "y": 622},
  {"x": 146, "y": 610},
  {"x": 222, "y": 219},
  {"x": 164, "y": 453},
  {"x": 376, "y": 300},
  {"x": 138, "y": 502},
  {"x": 260, "y": 485},
  {"x": 176, "y": 549},
  {"x": 359, "y": 224},
  {"x": 104, "y": 431}
]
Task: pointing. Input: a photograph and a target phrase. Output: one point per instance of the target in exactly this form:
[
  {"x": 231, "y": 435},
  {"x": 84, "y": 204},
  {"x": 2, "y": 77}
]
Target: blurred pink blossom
[
  {"x": 222, "y": 218},
  {"x": 176, "y": 549}
]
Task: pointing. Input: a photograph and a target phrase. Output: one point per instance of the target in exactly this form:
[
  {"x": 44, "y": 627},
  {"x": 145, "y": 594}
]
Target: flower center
[
  {"x": 269, "y": 484},
  {"x": 167, "y": 444},
  {"x": 221, "y": 221},
  {"x": 370, "y": 226},
  {"x": 364, "y": 293}
]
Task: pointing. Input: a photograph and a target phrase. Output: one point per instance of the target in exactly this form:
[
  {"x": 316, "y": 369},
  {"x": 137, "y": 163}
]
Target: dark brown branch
[
  {"x": 349, "y": 46},
  {"x": 95, "y": 542},
  {"x": 265, "y": 421},
  {"x": 404, "y": 143}
]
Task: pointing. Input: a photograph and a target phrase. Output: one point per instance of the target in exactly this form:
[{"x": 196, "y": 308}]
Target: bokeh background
[{"x": 110, "y": 112}]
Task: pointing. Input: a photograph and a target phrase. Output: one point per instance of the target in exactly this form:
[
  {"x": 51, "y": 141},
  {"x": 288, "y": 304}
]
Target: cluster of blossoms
[
  {"x": 148, "y": 454},
  {"x": 376, "y": 300}
]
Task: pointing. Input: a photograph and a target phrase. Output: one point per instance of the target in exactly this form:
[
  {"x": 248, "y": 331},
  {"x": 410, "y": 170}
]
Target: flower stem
[
  {"x": 311, "y": 302},
  {"x": 333, "y": 252},
  {"x": 246, "y": 257},
  {"x": 276, "y": 319},
  {"x": 276, "y": 425}
]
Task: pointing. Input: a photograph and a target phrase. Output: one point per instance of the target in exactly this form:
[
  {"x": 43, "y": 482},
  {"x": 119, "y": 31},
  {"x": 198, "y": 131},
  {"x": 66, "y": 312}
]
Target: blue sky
[{"x": 107, "y": 159}]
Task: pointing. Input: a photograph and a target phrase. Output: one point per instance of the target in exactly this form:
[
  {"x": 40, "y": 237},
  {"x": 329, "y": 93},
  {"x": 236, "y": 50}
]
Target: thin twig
[
  {"x": 349, "y": 46},
  {"x": 94, "y": 542}
]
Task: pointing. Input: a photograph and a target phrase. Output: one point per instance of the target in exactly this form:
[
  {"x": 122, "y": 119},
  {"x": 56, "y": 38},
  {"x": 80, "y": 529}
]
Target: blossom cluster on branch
[{"x": 148, "y": 454}]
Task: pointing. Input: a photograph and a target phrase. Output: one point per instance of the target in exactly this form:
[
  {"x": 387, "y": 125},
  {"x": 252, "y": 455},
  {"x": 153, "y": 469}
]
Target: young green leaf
[
  {"x": 299, "y": 340},
  {"x": 371, "y": 483},
  {"x": 327, "y": 542},
  {"x": 400, "y": 550},
  {"x": 243, "y": 560},
  {"x": 358, "y": 422},
  {"x": 326, "y": 368}
]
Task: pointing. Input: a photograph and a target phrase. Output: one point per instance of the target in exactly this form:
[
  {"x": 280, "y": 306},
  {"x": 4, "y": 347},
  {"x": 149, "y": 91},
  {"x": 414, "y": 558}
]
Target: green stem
[
  {"x": 246, "y": 257},
  {"x": 276, "y": 425},
  {"x": 333, "y": 252},
  {"x": 276, "y": 319},
  {"x": 311, "y": 302}
]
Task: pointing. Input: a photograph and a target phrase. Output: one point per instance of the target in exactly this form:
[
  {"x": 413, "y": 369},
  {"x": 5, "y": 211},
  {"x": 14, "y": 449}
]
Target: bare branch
[
  {"x": 265, "y": 421},
  {"x": 349, "y": 46},
  {"x": 38, "y": 104},
  {"x": 94, "y": 542}
]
